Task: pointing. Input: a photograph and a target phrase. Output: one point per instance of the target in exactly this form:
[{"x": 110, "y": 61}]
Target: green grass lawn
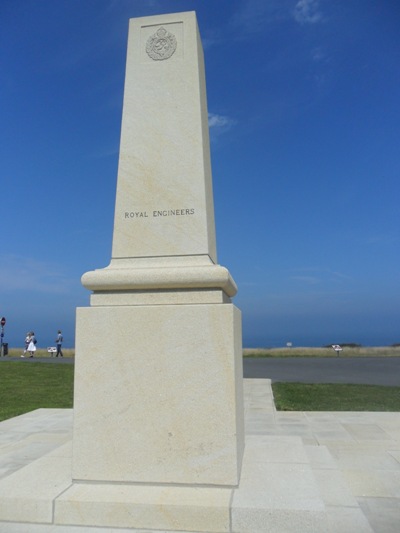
[
  {"x": 26, "y": 387},
  {"x": 335, "y": 397}
]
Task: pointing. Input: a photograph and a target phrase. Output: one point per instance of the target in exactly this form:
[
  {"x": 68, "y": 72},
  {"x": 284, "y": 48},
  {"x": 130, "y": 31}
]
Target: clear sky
[{"x": 304, "y": 115}]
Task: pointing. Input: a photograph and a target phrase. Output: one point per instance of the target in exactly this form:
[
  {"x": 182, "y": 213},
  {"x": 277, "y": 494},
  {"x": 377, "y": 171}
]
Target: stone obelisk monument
[{"x": 158, "y": 408}]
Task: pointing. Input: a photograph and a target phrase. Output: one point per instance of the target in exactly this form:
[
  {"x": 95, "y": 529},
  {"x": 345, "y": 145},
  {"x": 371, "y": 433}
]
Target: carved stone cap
[{"x": 194, "y": 277}]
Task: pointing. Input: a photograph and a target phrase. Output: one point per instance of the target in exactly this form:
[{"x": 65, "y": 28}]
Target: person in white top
[{"x": 32, "y": 344}]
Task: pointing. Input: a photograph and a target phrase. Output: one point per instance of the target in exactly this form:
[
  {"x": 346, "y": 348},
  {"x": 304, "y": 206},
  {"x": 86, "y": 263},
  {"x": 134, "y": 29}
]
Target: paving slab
[
  {"x": 348, "y": 520},
  {"x": 383, "y": 514}
]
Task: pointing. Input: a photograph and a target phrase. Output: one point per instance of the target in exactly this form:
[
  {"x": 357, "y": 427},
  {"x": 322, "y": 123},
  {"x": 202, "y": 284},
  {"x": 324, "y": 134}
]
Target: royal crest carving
[{"x": 161, "y": 45}]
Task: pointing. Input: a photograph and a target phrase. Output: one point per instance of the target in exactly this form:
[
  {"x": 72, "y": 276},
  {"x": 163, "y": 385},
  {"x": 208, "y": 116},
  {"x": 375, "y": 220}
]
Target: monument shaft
[{"x": 164, "y": 204}]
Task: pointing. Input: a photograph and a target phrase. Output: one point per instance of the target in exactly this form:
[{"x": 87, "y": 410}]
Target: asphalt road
[{"x": 357, "y": 370}]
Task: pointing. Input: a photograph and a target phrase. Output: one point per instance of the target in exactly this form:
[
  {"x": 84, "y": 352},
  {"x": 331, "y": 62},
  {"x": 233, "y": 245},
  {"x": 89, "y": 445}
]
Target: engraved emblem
[{"x": 161, "y": 45}]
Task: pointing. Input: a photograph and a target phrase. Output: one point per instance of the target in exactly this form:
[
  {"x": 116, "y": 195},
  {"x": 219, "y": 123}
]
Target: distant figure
[
  {"x": 32, "y": 344},
  {"x": 27, "y": 341},
  {"x": 58, "y": 342}
]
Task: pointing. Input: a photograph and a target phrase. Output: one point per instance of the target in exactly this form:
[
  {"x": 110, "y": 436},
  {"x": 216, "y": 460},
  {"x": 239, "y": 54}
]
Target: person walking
[
  {"x": 32, "y": 344},
  {"x": 27, "y": 341},
  {"x": 59, "y": 341}
]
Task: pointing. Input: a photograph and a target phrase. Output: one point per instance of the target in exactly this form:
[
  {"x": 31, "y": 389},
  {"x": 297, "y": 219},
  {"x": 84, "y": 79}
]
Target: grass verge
[
  {"x": 24, "y": 388},
  {"x": 335, "y": 397},
  {"x": 367, "y": 351}
]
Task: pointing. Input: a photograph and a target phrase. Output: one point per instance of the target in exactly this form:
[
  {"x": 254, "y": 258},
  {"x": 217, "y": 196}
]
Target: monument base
[{"x": 159, "y": 395}]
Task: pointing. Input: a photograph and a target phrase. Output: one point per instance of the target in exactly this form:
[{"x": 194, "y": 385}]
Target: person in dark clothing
[{"x": 59, "y": 341}]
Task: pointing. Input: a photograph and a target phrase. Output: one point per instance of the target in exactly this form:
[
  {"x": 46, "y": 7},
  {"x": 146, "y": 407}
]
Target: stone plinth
[{"x": 158, "y": 399}]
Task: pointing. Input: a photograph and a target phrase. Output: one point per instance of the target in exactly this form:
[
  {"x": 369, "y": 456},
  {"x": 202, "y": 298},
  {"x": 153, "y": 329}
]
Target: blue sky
[{"x": 304, "y": 114}]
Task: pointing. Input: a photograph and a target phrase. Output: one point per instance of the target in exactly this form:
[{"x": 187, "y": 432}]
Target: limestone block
[
  {"x": 150, "y": 508},
  {"x": 166, "y": 278},
  {"x": 159, "y": 297},
  {"x": 158, "y": 394}
]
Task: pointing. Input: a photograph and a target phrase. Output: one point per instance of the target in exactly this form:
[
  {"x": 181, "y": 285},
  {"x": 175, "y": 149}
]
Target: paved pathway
[{"x": 357, "y": 370}]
